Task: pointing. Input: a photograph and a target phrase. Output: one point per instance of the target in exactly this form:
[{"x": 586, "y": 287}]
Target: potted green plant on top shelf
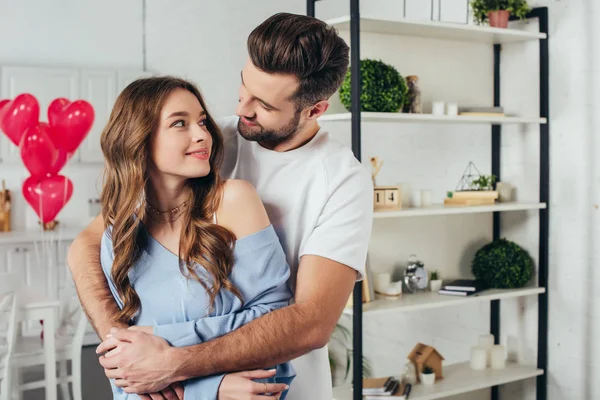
[{"x": 497, "y": 12}]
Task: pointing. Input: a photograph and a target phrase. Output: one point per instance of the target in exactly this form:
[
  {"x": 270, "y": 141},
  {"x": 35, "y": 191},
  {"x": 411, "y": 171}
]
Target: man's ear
[{"x": 318, "y": 109}]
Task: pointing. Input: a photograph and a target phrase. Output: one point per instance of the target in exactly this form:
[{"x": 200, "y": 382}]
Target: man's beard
[{"x": 267, "y": 136}]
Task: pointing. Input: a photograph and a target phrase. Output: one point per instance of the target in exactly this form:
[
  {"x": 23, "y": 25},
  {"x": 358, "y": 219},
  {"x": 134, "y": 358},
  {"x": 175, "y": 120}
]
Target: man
[{"x": 318, "y": 197}]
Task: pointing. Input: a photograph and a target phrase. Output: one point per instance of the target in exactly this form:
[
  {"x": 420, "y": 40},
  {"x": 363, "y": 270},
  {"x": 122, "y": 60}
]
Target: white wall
[{"x": 205, "y": 41}]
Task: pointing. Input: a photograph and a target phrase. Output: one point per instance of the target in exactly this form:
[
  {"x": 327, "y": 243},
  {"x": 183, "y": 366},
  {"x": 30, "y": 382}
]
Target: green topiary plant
[
  {"x": 427, "y": 370},
  {"x": 383, "y": 89},
  {"x": 502, "y": 264},
  {"x": 481, "y": 8}
]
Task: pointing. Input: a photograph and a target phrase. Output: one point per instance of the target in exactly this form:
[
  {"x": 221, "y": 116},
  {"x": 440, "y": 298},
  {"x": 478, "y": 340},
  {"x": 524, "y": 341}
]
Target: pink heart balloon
[
  {"x": 70, "y": 122},
  {"x": 39, "y": 154},
  {"x": 48, "y": 196},
  {"x": 18, "y": 115}
]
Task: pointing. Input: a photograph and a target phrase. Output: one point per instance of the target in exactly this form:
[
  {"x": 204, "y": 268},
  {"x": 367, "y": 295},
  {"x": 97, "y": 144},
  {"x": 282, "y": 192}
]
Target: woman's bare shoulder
[{"x": 241, "y": 209}]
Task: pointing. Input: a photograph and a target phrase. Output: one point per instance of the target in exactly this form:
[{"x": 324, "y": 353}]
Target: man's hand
[
  {"x": 146, "y": 329},
  {"x": 138, "y": 362},
  {"x": 240, "y": 386}
]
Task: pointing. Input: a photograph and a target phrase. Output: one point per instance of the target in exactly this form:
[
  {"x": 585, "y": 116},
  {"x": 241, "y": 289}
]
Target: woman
[{"x": 185, "y": 254}]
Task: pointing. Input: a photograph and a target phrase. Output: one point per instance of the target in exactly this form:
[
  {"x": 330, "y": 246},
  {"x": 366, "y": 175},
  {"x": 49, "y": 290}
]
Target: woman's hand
[{"x": 239, "y": 386}]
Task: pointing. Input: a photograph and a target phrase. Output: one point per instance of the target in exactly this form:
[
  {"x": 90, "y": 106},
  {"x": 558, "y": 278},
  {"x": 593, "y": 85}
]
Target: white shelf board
[
  {"x": 432, "y": 119},
  {"x": 438, "y": 30},
  {"x": 441, "y": 209},
  {"x": 427, "y": 300},
  {"x": 458, "y": 379}
]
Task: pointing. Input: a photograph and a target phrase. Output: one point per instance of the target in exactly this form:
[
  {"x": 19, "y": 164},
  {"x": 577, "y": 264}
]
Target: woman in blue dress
[{"x": 187, "y": 256}]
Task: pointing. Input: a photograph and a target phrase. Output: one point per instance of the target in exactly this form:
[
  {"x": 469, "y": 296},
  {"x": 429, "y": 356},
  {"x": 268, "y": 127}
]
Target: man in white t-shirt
[{"x": 317, "y": 196}]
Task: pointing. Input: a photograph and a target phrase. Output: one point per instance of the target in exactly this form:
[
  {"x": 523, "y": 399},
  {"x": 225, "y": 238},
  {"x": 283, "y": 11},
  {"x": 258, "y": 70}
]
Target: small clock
[{"x": 415, "y": 275}]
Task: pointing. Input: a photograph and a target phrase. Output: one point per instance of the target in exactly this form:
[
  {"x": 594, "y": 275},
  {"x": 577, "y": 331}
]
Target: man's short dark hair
[{"x": 304, "y": 47}]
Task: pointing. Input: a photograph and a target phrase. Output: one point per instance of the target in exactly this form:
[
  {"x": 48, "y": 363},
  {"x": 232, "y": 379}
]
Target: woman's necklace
[{"x": 174, "y": 213}]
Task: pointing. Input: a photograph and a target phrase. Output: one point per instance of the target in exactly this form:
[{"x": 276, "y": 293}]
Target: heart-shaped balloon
[
  {"x": 18, "y": 115},
  {"x": 70, "y": 122},
  {"x": 39, "y": 154},
  {"x": 47, "y": 196}
]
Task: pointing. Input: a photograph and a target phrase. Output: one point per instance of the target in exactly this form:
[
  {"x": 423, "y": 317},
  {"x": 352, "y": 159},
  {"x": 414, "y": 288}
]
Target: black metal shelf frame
[{"x": 540, "y": 13}]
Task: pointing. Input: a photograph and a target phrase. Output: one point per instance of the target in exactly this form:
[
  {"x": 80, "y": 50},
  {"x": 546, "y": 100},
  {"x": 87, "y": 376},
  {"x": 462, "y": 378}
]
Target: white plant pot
[
  {"x": 428, "y": 379},
  {"x": 435, "y": 285}
]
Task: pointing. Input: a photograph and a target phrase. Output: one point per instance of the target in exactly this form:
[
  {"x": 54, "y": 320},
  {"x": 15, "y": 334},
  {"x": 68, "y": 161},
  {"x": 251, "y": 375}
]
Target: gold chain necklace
[
  {"x": 173, "y": 210},
  {"x": 161, "y": 221}
]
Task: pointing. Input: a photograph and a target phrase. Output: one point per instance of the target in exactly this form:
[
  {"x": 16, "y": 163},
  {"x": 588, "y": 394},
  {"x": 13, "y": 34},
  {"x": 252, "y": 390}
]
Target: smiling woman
[{"x": 171, "y": 266}]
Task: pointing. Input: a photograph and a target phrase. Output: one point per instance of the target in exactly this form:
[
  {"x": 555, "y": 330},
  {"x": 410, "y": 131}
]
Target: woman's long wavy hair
[{"x": 126, "y": 146}]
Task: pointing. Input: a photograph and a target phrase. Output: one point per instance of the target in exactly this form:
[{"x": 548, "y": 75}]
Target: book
[
  {"x": 457, "y": 292},
  {"x": 464, "y": 285},
  {"x": 473, "y": 194},
  {"x": 468, "y": 202},
  {"x": 491, "y": 109},
  {"x": 382, "y": 388}
]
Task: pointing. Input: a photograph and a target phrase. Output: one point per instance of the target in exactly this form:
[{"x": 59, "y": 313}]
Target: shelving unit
[
  {"x": 429, "y": 300},
  {"x": 432, "y": 119},
  {"x": 459, "y": 378}
]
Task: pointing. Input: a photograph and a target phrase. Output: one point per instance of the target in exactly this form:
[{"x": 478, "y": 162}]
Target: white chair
[
  {"x": 69, "y": 341},
  {"x": 9, "y": 283}
]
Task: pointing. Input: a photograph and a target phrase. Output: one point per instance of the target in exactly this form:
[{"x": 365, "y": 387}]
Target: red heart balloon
[
  {"x": 18, "y": 115},
  {"x": 55, "y": 108},
  {"x": 70, "y": 122},
  {"x": 39, "y": 154},
  {"x": 47, "y": 196}
]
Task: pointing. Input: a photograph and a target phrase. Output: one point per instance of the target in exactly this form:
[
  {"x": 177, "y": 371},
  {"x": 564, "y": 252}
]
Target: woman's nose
[{"x": 199, "y": 134}]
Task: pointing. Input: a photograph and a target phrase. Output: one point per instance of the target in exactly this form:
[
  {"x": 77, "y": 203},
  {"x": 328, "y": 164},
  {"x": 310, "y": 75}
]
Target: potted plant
[
  {"x": 497, "y": 12},
  {"x": 427, "y": 375},
  {"x": 435, "y": 283},
  {"x": 343, "y": 338},
  {"x": 484, "y": 182},
  {"x": 383, "y": 89}
]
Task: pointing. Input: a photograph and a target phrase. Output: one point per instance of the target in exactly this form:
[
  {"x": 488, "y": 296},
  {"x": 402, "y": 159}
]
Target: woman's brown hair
[{"x": 126, "y": 146}]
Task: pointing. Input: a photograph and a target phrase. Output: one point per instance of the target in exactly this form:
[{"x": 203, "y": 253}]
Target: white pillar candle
[
  {"x": 382, "y": 282},
  {"x": 452, "y": 109},
  {"x": 426, "y": 198},
  {"x": 437, "y": 108},
  {"x": 498, "y": 355},
  {"x": 415, "y": 198},
  {"x": 487, "y": 342},
  {"x": 478, "y": 358}
]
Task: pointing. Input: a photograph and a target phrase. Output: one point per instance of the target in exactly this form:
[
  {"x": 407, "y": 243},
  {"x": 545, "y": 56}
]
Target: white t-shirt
[{"x": 319, "y": 198}]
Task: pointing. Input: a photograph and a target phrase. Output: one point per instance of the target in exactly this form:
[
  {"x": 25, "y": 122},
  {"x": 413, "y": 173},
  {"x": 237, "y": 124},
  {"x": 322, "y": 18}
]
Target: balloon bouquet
[{"x": 46, "y": 148}]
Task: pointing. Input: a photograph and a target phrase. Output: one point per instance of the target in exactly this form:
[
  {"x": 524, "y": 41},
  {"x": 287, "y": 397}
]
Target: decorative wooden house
[{"x": 422, "y": 355}]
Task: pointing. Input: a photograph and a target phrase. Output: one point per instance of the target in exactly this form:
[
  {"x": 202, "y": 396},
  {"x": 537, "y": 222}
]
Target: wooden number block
[
  {"x": 379, "y": 198},
  {"x": 387, "y": 198},
  {"x": 392, "y": 198}
]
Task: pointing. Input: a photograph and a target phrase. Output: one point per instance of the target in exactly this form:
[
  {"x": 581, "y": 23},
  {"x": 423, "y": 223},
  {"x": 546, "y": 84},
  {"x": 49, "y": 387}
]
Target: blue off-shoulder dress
[{"x": 177, "y": 307}]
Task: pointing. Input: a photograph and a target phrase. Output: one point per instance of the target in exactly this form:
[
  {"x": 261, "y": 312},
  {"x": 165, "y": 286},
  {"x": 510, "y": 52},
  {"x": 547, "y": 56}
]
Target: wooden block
[
  {"x": 379, "y": 198},
  {"x": 387, "y": 198}
]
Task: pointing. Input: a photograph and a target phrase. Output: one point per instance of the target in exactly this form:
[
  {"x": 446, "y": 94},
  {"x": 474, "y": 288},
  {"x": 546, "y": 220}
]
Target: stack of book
[
  {"x": 378, "y": 388},
  {"x": 471, "y": 197},
  {"x": 462, "y": 287},
  {"x": 481, "y": 111}
]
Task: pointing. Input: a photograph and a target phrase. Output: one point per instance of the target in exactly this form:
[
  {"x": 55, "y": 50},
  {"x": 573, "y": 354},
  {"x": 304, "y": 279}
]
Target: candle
[
  {"x": 487, "y": 342},
  {"x": 426, "y": 198},
  {"x": 478, "y": 357},
  {"x": 498, "y": 356}
]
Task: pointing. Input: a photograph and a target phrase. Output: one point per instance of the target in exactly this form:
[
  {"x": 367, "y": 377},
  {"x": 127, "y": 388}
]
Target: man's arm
[
  {"x": 323, "y": 288},
  {"x": 92, "y": 288}
]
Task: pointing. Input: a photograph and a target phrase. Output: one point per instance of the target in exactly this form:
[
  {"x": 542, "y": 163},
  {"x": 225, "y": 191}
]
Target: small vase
[
  {"x": 435, "y": 285},
  {"x": 499, "y": 18},
  {"x": 428, "y": 379}
]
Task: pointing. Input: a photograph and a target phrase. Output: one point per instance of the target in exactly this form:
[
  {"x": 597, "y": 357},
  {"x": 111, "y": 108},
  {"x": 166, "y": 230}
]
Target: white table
[{"x": 34, "y": 307}]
